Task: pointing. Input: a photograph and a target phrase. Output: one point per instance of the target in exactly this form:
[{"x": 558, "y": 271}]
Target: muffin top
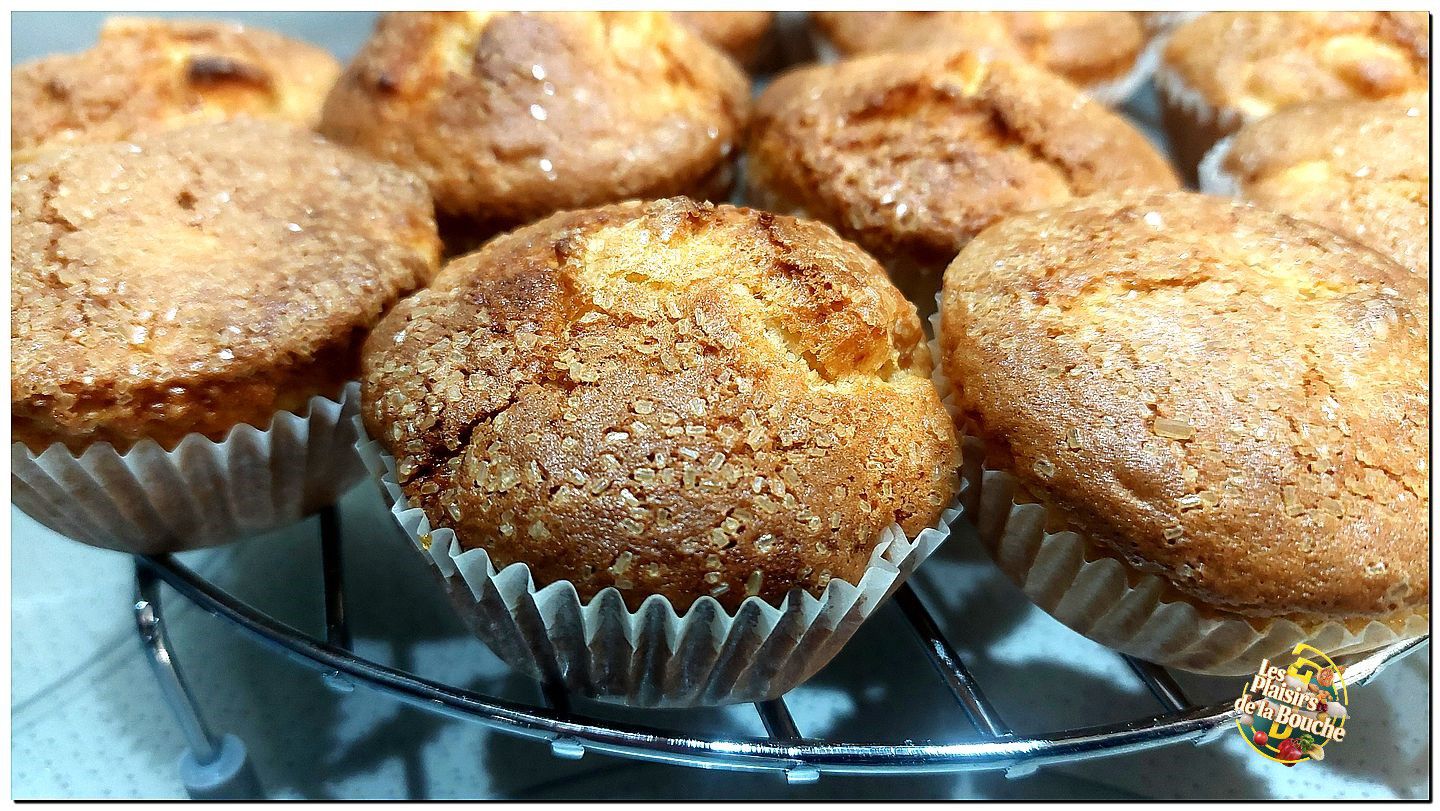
[
  {"x": 1086, "y": 47},
  {"x": 145, "y": 75},
  {"x": 1255, "y": 62},
  {"x": 912, "y": 155},
  {"x": 510, "y": 116},
  {"x": 1231, "y": 398},
  {"x": 670, "y": 398},
  {"x": 737, "y": 33},
  {"x": 193, "y": 279},
  {"x": 1359, "y": 167}
]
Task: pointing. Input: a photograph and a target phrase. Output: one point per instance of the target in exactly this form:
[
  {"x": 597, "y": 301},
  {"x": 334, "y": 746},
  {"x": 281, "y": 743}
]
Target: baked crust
[
  {"x": 1256, "y": 62},
  {"x": 194, "y": 279},
  {"x": 1361, "y": 168},
  {"x": 1250, "y": 423},
  {"x": 511, "y": 116},
  {"x": 912, "y": 155},
  {"x": 144, "y": 75},
  {"x": 1087, "y": 47},
  {"x": 672, "y": 398},
  {"x": 741, "y": 34}
]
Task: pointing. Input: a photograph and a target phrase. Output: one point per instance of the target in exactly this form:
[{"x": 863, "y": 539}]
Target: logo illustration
[{"x": 1289, "y": 714}]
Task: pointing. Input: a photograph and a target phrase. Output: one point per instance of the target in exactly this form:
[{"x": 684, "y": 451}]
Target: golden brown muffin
[
  {"x": 1227, "y": 397},
  {"x": 1361, "y": 168},
  {"x": 741, "y": 34},
  {"x": 1087, "y": 47},
  {"x": 912, "y": 155},
  {"x": 670, "y": 398},
  {"x": 195, "y": 279},
  {"x": 145, "y": 75},
  {"x": 1226, "y": 68},
  {"x": 511, "y": 116}
]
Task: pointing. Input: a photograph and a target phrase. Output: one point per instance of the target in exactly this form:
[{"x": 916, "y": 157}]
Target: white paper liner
[
  {"x": 202, "y": 493},
  {"x": 653, "y": 657},
  {"x": 1175, "y": 91},
  {"x": 1149, "y": 58},
  {"x": 1213, "y": 177},
  {"x": 1113, "y": 93},
  {"x": 1075, "y": 581},
  {"x": 825, "y": 51},
  {"x": 1116, "y": 92}
]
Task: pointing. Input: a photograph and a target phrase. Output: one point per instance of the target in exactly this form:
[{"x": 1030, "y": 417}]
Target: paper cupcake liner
[
  {"x": 825, "y": 51},
  {"x": 1191, "y": 123},
  {"x": 1213, "y": 177},
  {"x": 1074, "y": 580},
  {"x": 1175, "y": 91},
  {"x": 1149, "y": 59},
  {"x": 149, "y": 500},
  {"x": 654, "y": 656},
  {"x": 1116, "y": 92}
]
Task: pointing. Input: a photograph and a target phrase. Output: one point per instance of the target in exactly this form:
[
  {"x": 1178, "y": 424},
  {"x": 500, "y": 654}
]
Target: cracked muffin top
[
  {"x": 1233, "y": 399},
  {"x": 1256, "y": 62},
  {"x": 510, "y": 116},
  {"x": 194, "y": 279},
  {"x": 1361, "y": 168},
  {"x": 738, "y": 33},
  {"x": 1087, "y": 47},
  {"x": 145, "y": 75},
  {"x": 912, "y": 155},
  {"x": 669, "y": 398}
]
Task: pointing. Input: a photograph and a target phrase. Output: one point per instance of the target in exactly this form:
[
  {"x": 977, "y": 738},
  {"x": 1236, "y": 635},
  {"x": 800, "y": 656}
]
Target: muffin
[
  {"x": 701, "y": 441},
  {"x": 1197, "y": 462},
  {"x": 167, "y": 289},
  {"x": 511, "y": 116},
  {"x": 734, "y": 402},
  {"x": 145, "y": 75},
  {"x": 1359, "y": 167},
  {"x": 1222, "y": 70},
  {"x": 1096, "y": 50},
  {"x": 912, "y": 155},
  {"x": 741, "y": 34}
]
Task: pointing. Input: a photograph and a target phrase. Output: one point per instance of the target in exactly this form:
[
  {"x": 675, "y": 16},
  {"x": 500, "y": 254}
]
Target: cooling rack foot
[
  {"x": 229, "y": 776},
  {"x": 210, "y": 769}
]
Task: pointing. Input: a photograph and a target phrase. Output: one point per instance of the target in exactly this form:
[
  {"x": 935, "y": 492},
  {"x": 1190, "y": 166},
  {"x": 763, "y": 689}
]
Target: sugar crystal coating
[
  {"x": 702, "y": 391},
  {"x": 1257, "y": 62},
  {"x": 1251, "y": 389},
  {"x": 510, "y": 116},
  {"x": 911, "y": 155},
  {"x": 144, "y": 75},
  {"x": 1086, "y": 47},
  {"x": 158, "y": 288},
  {"x": 1361, "y": 168}
]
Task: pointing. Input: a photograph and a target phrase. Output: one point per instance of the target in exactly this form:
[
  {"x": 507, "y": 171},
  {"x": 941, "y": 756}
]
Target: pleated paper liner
[
  {"x": 1078, "y": 583},
  {"x": 654, "y": 656},
  {"x": 1192, "y": 124},
  {"x": 1213, "y": 177},
  {"x": 202, "y": 493}
]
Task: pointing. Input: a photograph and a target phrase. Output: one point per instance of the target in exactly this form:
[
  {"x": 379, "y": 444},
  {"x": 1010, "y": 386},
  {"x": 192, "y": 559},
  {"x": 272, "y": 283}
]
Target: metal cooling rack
[{"x": 217, "y": 766}]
